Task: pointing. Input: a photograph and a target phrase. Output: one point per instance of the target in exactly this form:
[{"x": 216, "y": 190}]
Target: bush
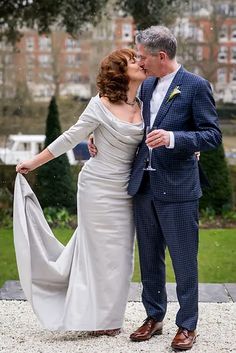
[
  {"x": 59, "y": 217},
  {"x": 54, "y": 186},
  {"x": 226, "y": 111},
  {"x": 218, "y": 196}
]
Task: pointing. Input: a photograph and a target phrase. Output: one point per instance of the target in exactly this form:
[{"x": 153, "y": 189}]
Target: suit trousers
[{"x": 175, "y": 225}]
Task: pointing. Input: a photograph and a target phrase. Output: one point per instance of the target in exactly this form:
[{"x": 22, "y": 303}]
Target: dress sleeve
[{"x": 87, "y": 123}]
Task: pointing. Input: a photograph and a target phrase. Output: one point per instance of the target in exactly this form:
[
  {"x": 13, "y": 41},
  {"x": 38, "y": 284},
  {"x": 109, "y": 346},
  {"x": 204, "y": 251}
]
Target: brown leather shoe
[
  {"x": 149, "y": 328},
  {"x": 184, "y": 339}
]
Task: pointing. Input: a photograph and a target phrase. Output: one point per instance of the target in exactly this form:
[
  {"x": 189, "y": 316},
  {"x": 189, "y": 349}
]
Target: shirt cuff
[{"x": 172, "y": 140}]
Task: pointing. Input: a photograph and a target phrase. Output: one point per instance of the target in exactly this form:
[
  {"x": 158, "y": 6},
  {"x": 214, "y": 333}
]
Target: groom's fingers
[{"x": 158, "y": 138}]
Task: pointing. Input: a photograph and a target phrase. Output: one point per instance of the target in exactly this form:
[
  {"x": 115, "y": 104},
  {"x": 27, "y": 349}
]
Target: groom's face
[{"x": 151, "y": 63}]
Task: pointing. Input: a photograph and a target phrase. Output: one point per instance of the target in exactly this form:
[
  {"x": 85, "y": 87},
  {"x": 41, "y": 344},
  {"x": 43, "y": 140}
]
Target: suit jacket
[{"x": 192, "y": 117}]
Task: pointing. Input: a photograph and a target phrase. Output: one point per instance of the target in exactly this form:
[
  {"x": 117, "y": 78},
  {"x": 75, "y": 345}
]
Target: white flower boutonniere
[{"x": 174, "y": 93}]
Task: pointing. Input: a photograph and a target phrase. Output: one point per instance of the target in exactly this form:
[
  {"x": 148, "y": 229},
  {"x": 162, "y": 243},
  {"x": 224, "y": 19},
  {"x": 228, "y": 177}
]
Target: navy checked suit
[{"x": 166, "y": 200}]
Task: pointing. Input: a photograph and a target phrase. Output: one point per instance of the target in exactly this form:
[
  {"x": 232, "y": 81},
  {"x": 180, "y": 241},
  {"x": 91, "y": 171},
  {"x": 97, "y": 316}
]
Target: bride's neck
[{"x": 132, "y": 91}]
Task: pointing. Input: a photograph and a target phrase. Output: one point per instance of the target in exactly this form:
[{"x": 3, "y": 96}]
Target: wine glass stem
[{"x": 150, "y": 155}]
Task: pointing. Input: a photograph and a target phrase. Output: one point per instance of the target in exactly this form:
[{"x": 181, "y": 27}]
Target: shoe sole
[
  {"x": 183, "y": 348},
  {"x": 158, "y": 332}
]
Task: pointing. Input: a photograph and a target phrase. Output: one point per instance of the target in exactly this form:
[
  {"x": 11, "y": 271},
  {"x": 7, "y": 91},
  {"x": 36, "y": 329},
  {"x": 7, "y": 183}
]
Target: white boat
[{"x": 20, "y": 147}]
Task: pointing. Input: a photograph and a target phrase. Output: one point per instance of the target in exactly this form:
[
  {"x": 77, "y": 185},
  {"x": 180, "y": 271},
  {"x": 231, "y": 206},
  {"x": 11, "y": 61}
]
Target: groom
[{"x": 180, "y": 106}]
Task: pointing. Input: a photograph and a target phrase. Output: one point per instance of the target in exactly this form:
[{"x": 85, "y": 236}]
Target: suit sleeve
[
  {"x": 206, "y": 134},
  {"x": 86, "y": 124}
]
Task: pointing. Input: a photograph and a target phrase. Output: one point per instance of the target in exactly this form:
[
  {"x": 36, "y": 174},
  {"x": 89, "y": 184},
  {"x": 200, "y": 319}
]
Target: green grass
[{"x": 217, "y": 256}]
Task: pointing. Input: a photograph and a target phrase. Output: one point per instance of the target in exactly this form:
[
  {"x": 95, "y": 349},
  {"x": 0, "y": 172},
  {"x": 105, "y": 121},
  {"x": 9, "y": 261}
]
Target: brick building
[
  {"x": 46, "y": 64},
  {"x": 207, "y": 41},
  {"x": 206, "y": 33}
]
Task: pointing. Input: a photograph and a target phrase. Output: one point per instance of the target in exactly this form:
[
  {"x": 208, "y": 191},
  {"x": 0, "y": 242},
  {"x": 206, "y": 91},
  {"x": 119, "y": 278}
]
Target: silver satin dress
[{"x": 84, "y": 285}]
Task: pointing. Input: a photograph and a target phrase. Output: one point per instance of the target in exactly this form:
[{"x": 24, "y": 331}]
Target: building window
[
  {"x": 223, "y": 34},
  {"x": 233, "y": 96},
  {"x": 1, "y": 77},
  {"x": 233, "y": 75},
  {"x": 233, "y": 33},
  {"x": 223, "y": 9},
  {"x": 30, "y": 43},
  {"x": 199, "y": 53},
  {"x": 44, "y": 76},
  {"x": 222, "y": 54},
  {"x": 29, "y": 76},
  {"x": 2, "y": 45},
  {"x": 30, "y": 58},
  {"x": 44, "y": 60},
  {"x": 100, "y": 33},
  {"x": 72, "y": 44},
  {"x": 232, "y": 10},
  {"x": 44, "y": 91},
  {"x": 196, "y": 70},
  {"x": 222, "y": 75},
  {"x": 70, "y": 60},
  {"x": 199, "y": 34},
  {"x": 8, "y": 59},
  {"x": 127, "y": 32},
  {"x": 233, "y": 54},
  {"x": 73, "y": 77},
  {"x": 44, "y": 43}
]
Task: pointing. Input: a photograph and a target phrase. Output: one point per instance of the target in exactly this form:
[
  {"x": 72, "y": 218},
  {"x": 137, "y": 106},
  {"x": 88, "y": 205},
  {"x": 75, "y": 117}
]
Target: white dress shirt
[{"x": 157, "y": 99}]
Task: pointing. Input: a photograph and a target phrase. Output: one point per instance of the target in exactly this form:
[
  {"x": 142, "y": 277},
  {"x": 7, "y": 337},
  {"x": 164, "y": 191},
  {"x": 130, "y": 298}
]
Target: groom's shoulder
[{"x": 194, "y": 78}]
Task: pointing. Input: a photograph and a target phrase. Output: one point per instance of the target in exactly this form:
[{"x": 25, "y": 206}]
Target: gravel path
[{"x": 20, "y": 332}]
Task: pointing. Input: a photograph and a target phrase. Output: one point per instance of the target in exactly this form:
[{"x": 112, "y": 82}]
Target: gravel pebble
[{"x": 20, "y": 332}]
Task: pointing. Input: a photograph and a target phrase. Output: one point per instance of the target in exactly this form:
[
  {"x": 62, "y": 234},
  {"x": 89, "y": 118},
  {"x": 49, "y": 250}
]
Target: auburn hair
[{"x": 112, "y": 78}]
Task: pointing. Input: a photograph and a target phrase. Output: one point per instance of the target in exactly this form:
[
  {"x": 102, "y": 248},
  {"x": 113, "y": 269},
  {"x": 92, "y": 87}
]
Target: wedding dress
[{"x": 84, "y": 285}]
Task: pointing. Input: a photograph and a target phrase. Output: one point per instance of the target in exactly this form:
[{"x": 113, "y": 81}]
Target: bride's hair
[{"x": 112, "y": 78}]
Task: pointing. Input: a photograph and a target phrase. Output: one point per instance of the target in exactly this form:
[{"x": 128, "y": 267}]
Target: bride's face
[{"x": 134, "y": 71}]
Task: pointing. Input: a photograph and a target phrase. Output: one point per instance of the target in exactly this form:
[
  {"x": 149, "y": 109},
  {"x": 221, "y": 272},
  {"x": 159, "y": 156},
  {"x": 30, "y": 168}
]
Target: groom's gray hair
[{"x": 156, "y": 38}]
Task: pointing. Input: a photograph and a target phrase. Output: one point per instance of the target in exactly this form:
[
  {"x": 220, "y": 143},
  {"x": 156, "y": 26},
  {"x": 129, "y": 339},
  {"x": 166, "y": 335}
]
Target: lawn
[{"x": 217, "y": 256}]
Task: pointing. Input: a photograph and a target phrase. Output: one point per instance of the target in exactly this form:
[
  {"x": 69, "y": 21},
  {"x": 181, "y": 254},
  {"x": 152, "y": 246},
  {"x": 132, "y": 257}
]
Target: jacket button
[{"x": 164, "y": 193}]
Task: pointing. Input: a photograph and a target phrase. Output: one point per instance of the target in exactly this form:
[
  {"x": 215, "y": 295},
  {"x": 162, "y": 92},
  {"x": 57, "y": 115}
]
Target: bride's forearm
[{"x": 42, "y": 158}]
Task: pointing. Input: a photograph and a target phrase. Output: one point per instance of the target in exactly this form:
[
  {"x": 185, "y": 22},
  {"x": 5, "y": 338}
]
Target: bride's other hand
[
  {"x": 91, "y": 147},
  {"x": 25, "y": 166},
  {"x": 38, "y": 160}
]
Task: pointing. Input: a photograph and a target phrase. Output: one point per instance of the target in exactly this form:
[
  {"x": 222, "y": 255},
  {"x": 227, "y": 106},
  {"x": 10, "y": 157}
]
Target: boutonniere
[{"x": 174, "y": 93}]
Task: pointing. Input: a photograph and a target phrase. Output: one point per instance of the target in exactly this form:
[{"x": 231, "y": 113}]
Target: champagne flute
[{"x": 149, "y": 167}]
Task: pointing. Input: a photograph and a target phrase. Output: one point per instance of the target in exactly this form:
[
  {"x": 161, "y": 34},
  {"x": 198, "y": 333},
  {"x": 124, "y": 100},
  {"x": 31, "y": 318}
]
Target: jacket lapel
[
  {"x": 148, "y": 98},
  {"x": 166, "y": 104}
]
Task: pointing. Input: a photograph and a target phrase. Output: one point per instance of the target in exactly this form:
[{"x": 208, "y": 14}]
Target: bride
[{"x": 84, "y": 285}]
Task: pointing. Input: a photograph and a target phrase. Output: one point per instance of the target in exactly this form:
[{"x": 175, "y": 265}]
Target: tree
[
  {"x": 54, "y": 185},
  {"x": 70, "y": 15},
  {"x": 219, "y": 195},
  {"x": 199, "y": 45},
  {"x": 151, "y": 12}
]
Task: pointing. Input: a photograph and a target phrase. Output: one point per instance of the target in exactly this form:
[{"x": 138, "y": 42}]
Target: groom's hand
[{"x": 158, "y": 138}]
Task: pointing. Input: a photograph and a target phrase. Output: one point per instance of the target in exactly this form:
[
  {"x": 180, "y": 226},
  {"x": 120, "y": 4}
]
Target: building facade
[
  {"x": 66, "y": 66},
  {"x": 59, "y": 64},
  {"x": 207, "y": 41}
]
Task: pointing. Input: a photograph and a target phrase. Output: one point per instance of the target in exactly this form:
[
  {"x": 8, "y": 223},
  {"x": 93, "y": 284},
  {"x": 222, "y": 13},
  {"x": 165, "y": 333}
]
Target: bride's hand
[
  {"x": 25, "y": 166},
  {"x": 92, "y": 147}
]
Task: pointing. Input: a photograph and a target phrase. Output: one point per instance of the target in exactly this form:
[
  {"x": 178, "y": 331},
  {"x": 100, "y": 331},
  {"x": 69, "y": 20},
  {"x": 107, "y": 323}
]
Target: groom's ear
[{"x": 162, "y": 55}]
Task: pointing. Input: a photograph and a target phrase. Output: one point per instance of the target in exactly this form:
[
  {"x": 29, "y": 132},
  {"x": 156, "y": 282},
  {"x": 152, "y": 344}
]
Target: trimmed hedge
[
  {"x": 55, "y": 175},
  {"x": 226, "y": 111},
  {"x": 219, "y": 196},
  {"x": 8, "y": 175}
]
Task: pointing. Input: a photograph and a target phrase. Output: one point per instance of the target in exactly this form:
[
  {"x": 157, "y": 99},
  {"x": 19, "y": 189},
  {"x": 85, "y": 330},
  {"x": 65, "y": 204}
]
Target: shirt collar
[{"x": 169, "y": 76}]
